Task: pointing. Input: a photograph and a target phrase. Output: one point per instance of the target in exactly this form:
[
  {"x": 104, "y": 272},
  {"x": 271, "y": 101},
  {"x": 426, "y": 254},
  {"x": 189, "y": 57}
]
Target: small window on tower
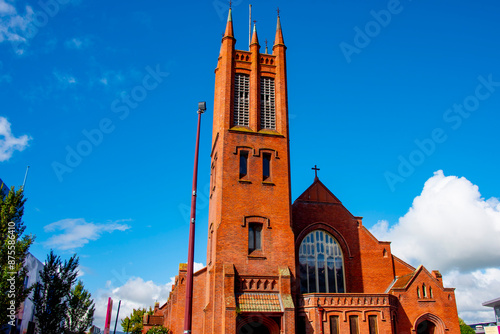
[
  {"x": 266, "y": 166},
  {"x": 254, "y": 237},
  {"x": 243, "y": 164}
]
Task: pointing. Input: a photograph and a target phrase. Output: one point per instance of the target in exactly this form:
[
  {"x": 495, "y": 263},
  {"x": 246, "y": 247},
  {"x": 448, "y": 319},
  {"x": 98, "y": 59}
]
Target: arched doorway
[
  {"x": 429, "y": 324},
  {"x": 426, "y": 327},
  {"x": 257, "y": 323},
  {"x": 254, "y": 327}
]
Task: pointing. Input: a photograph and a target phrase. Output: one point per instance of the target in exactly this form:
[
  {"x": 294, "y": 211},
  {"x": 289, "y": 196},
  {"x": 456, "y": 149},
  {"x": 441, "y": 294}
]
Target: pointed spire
[
  {"x": 278, "y": 40},
  {"x": 255, "y": 39},
  {"x": 229, "y": 25}
]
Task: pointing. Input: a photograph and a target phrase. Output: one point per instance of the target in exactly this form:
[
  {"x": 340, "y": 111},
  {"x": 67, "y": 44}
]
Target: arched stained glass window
[{"x": 321, "y": 265}]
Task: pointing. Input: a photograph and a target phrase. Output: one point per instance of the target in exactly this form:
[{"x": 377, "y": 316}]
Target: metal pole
[
  {"x": 117, "y": 313},
  {"x": 189, "y": 279},
  {"x": 249, "y": 26}
]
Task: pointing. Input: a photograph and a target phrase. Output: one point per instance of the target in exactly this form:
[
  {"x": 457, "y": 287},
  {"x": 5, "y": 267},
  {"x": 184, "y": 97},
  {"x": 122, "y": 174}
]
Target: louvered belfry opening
[
  {"x": 267, "y": 110},
  {"x": 241, "y": 104}
]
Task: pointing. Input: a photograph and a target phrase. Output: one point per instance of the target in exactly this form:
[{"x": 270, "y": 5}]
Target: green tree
[
  {"x": 158, "y": 330},
  {"x": 13, "y": 251},
  {"x": 81, "y": 310},
  {"x": 465, "y": 329},
  {"x": 133, "y": 322},
  {"x": 51, "y": 296}
]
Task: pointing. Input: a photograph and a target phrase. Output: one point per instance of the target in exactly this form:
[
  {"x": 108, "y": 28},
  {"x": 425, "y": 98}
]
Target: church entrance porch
[{"x": 257, "y": 324}]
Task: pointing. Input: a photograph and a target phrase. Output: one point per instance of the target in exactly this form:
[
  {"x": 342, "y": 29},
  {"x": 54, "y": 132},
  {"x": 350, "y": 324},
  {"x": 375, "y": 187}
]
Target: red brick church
[{"x": 276, "y": 267}]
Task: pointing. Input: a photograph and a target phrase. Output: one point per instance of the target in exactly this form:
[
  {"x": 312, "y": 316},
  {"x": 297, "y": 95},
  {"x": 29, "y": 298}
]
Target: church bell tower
[{"x": 250, "y": 255}]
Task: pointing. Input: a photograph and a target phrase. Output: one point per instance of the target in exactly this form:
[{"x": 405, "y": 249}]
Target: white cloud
[
  {"x": 8, "y": 142},
  {"x": 451, "y": 228},
  {"x": 65, "y": 80},
  {"x": 135, "y": 293},
  {"x": 111, "y": 78},
  {"x": 6, "y": 8},
  {"x": 77, "y": 43},
  {"x": 473, "y": 289},
  {"x": 197, "y": 266},
  {"x": 77, "y": 233},
  {"x": 13, "y": 25}
]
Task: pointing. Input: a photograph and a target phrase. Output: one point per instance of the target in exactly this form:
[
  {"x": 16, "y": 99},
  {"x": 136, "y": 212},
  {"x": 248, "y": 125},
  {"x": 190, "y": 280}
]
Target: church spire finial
[
  {"x": 229, "y": 25},
  {"x": 278, "y": 40},
  {"x": 255, "y": 39},
  {"x": 316, "y": 169}
]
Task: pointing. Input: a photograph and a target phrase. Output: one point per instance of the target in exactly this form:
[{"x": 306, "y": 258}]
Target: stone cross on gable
[{"x": 316, "y": 169}]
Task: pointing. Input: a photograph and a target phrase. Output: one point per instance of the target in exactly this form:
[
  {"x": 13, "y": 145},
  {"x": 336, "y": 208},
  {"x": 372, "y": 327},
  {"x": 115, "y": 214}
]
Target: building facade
[
  {"x": 26, "y": 313},
  {"x": 277, "y": 267}
]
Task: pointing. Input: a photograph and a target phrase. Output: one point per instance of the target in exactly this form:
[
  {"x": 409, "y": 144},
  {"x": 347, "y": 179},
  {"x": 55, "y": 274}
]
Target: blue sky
[{"x": 100, "y": 99}]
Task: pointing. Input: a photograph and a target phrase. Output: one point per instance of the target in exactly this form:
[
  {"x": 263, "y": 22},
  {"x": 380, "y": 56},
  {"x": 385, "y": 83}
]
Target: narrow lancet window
[
  {"x": 243, "y": 164},
  {"x": 241, "y": 100},
  {"x": 334, "y": 324},
  {"x": 254, "y": 237},
  {"x": 372, "y": 323},
  {"x": 266, "y": 166},
  {"x": 353, "y": 324},
  {"x": 267, "y": 108}
]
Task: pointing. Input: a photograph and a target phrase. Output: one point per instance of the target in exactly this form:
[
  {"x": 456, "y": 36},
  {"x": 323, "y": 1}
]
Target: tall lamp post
[{"x": 202, "y": 106}]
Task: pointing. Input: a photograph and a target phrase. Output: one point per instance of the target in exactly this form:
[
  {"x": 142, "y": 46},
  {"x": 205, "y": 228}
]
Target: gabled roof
[
  {"x": 405, "y": 281},
  {"x": 402, "y": 282},
  {"x": 397, "y": 259},
  {"x": 319, "y": 193}
]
